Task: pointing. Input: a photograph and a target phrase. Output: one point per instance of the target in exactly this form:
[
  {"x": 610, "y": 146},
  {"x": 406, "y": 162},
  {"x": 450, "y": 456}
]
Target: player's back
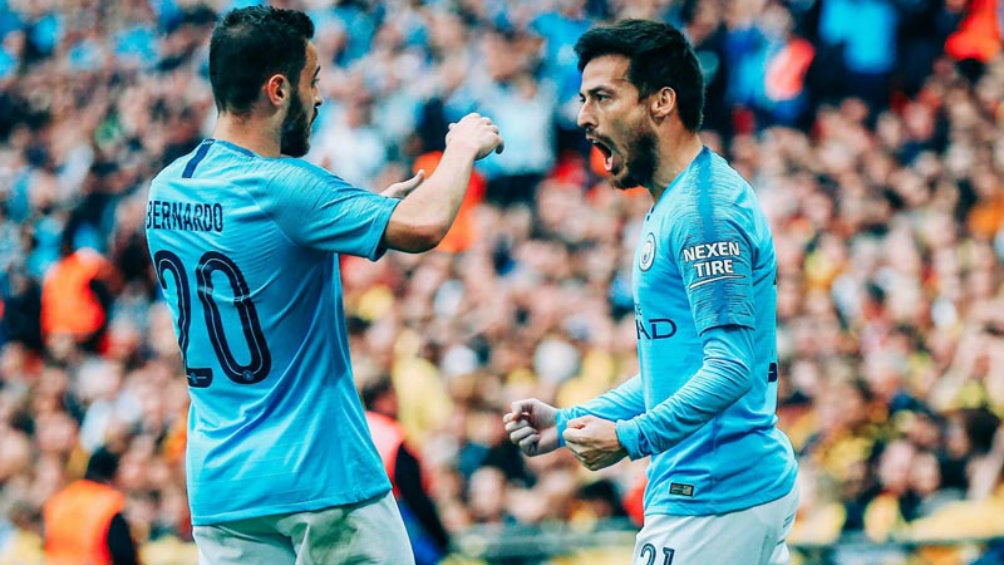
[{"x": 245, "y": 250}]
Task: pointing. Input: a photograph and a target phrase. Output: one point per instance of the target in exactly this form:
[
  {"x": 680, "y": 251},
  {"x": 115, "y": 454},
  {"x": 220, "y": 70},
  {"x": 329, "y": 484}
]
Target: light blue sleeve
[
  {"x": 715, "y": 258},
  {"x": 725, "y": 376},
  {"x": 316, "y": 209},
  {"x": 621, "y": 403}
]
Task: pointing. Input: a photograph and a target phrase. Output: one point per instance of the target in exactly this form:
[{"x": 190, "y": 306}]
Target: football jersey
[
  {"x": 246, "y": 250},
  {"x": 705, "y": 260}
]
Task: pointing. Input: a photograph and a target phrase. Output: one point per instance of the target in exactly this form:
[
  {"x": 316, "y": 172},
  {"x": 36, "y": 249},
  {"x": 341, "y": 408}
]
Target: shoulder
[
  {"x": 715, "y": 203},
  {"x": 382, "y": 425},
  {"x": 712, "y": 189},
  {"x": 298, "y": 167},
  {"x": 302, "y": 174},
  {"x": 721, "y": 182},
  {"x": 173, "y": 170},
  {"x": 90, "y": 257}
]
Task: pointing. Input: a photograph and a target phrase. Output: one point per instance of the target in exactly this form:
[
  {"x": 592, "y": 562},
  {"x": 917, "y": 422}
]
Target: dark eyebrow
[
  {"x": 317, "y": 71},
  {"x": 595, "y": 90}
]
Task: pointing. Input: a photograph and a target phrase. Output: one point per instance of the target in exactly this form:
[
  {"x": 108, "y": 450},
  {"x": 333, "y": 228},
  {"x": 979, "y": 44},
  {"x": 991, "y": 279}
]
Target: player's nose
[{"x": 586, "y": 118}]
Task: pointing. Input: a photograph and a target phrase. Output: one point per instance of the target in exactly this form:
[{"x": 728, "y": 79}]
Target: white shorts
[
  {"x": 754, "y": 536},
  {"x": 367, "y": 533}
]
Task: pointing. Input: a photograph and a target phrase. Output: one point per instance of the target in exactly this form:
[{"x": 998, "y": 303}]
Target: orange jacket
[
  {"x": 979, "y": 34},
  {"x": 388, "y": 437},
  {"x": 76, "y": 523},
  {"x": 68, "y": 303},
  {"x": 464, "y": 230},
  {"x": 785, "y": 77}
]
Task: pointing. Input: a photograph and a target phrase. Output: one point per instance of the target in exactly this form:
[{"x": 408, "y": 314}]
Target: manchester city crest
[{"x": 647, "y": 253}]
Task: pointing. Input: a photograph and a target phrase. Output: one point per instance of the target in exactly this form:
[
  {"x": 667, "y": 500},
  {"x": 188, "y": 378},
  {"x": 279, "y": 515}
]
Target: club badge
[{"x": 647, "y": 253}]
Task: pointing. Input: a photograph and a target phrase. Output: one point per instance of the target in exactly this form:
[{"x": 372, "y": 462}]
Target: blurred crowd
[{"x": 871, "y": 129}]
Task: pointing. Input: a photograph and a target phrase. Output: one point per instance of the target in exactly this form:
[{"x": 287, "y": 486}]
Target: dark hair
[
  {"x": 372, "y": 390},
  {"x": 251, "y": 44},
  {"x": 102, "y": 466},
  {"x": 660, "y": 56},
  {"x": 980, "y": 424}
]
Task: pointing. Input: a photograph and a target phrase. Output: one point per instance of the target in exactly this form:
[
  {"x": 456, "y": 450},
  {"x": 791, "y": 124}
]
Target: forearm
[
  {"x": 724, "y": 377},
  {"x": 422, "y": 219},
  {"x": 622, "y": 403}
]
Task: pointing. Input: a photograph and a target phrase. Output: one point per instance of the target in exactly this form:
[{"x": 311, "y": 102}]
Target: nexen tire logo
[{"x": 712, "y": 262}]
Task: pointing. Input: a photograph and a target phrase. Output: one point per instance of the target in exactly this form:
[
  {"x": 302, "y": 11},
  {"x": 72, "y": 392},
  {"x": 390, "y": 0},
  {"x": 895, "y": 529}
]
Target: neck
[
  {"x": 675, "y": 155},
  {"x": 250, "y": 132}
]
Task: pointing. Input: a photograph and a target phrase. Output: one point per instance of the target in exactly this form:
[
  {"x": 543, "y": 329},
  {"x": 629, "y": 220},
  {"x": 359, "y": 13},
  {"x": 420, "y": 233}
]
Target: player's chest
[{"x": 655, "y": 274}]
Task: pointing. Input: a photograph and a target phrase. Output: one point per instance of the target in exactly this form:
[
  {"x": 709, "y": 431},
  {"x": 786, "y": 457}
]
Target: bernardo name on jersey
[{"x": 188, "y": 216}]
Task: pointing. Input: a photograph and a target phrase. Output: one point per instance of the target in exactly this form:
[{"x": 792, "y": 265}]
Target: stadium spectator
[
  {"x": 429, "y": 539},
  {"x": 863, "y": 33},
  {"x": 76, "y": 295},
  {"x": 84, "y": 521}
]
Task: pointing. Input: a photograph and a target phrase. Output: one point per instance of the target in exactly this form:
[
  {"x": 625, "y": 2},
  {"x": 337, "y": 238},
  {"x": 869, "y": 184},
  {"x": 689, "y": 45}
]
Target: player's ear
[
  {"x": 278, "y": 89},
  {"x": 662, "y": 103}
]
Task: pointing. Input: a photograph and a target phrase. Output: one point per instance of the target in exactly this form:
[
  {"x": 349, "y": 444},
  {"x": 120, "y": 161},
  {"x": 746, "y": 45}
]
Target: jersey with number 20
[{"x": 246, "y": 250}]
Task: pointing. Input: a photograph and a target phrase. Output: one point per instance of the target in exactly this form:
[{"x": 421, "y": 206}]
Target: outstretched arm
[{"x": 422, "y": 218}]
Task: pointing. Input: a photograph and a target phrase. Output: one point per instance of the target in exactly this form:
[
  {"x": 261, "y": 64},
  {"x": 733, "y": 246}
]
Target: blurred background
[{"x": 871, "y": 129}]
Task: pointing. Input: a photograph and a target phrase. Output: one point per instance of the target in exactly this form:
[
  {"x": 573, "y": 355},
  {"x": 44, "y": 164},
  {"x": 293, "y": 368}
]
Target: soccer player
[
  {"x": 245, "y": 239},
  {"x": 721, "y": 479}
]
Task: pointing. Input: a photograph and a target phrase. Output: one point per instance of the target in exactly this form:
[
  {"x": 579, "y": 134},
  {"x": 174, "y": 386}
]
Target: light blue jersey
[
  {"x": 246, "y": 250},
  {"x": 703, "y": 406}
]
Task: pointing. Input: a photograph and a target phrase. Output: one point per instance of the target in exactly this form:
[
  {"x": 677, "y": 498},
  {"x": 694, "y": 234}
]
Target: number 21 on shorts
[{"x": 649, "y": 554}]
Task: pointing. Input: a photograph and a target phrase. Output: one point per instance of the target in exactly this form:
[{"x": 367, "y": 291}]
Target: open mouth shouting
[{"x": 611, "y": 161}]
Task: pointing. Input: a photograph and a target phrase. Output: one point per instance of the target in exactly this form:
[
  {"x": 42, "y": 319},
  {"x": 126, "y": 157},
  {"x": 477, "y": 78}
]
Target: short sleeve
[
  {"x": 318, "y": 210},
  {"x": 715, "y": 258}
]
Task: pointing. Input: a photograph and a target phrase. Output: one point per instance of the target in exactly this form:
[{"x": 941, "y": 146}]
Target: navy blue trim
[{"x": 200, "y": 154}]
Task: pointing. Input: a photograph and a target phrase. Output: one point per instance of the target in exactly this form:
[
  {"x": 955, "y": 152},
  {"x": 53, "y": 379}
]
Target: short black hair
[
  {"x": 660, "y": 56},
  {"x": 251, "y": 44},
  {"x": 102, "y": 466},
  {"x": 372, "y": 390}
]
